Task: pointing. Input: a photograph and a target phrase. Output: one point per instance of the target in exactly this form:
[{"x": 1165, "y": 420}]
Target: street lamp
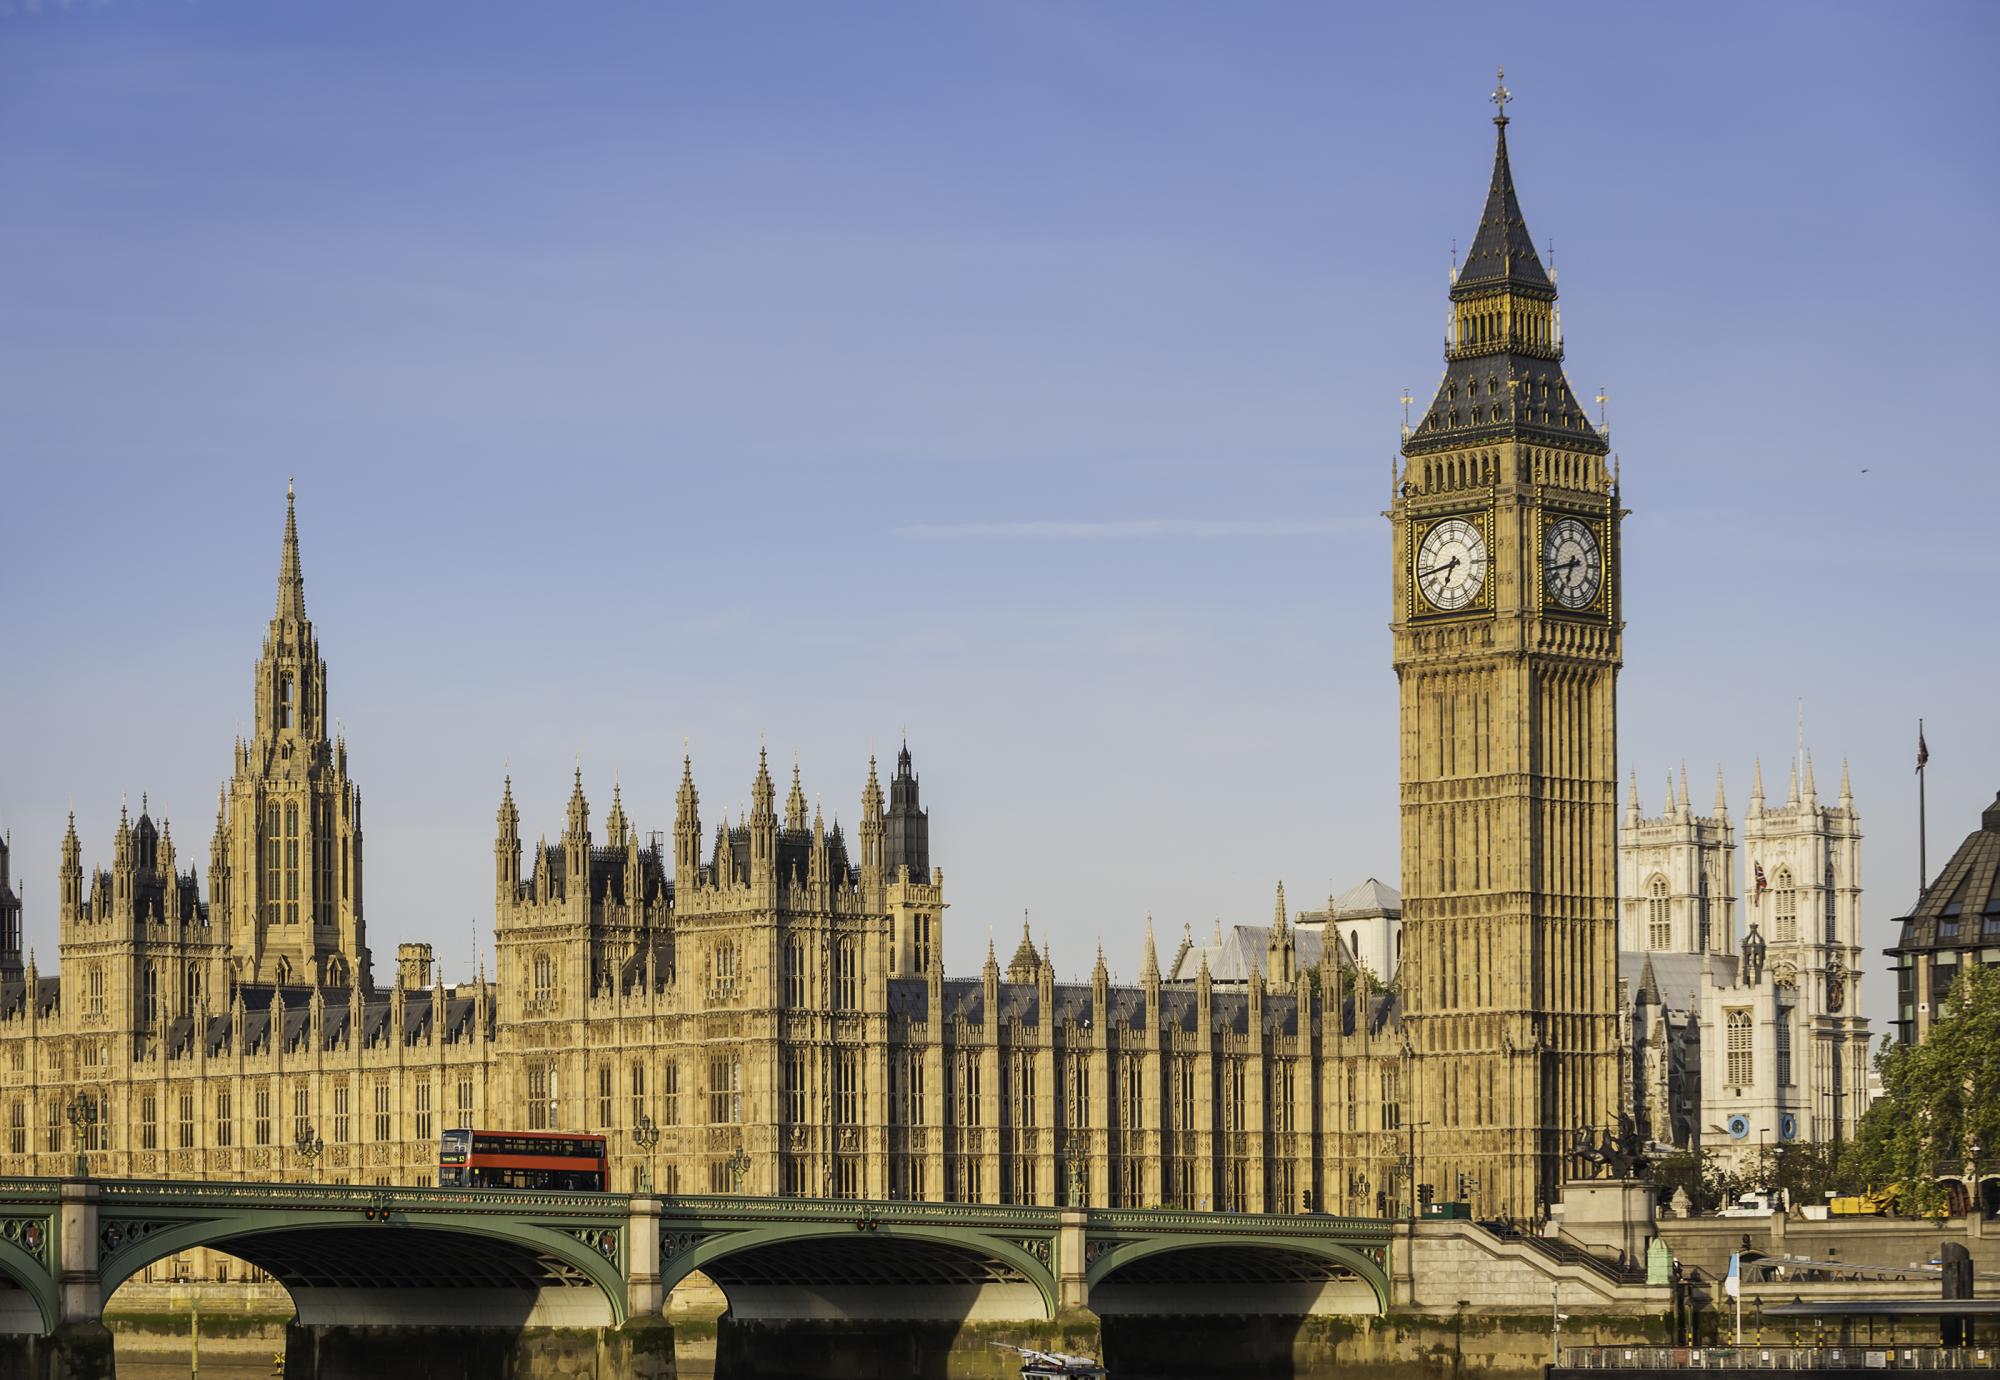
[
  {"x": 310, "y": 1148},
  {"x": 738, "y": 1165},
  {"x": 645, "y": 1135},
  {"x": 82, "y": 1114},
  {"x": 1077, "y": 1186}
]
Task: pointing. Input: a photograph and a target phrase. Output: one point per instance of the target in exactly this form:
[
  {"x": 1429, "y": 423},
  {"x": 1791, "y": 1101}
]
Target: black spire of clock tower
[{"x": 1503, "y": 358}]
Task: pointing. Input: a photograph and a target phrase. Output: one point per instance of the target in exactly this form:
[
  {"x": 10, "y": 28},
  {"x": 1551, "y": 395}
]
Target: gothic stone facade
[
  {"x": 1508, "y": 637},
  {"x": 768, "y": 989},
  {"x": 773, "y": 998},
  {"x": 1742, "y": 1042}
]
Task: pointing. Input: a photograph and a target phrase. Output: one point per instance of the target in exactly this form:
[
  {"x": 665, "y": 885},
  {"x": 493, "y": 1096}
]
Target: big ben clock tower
[{"x": 1507, "y": 647}]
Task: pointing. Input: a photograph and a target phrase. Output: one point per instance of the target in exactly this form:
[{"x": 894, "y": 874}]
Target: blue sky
[{"x": 1021, "y": 374}]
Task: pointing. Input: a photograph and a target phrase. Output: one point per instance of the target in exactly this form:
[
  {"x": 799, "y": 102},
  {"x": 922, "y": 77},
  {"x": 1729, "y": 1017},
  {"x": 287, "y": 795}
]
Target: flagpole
[{"x": 1923, "y": 829}]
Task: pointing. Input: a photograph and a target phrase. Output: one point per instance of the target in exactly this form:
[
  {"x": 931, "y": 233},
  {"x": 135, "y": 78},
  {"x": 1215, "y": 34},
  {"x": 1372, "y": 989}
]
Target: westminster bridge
[
  {"x": 491, "y": 1282},
  {"x": 408, "y": 1260}
]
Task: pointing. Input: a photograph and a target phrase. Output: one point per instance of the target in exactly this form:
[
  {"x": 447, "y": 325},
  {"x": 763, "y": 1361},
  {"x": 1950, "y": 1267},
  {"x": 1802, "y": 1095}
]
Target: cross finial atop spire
[{"x": 1501, "y": 95}]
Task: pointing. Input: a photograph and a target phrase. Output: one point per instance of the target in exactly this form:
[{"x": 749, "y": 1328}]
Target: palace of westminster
[{"x": 761, "y": 1006}]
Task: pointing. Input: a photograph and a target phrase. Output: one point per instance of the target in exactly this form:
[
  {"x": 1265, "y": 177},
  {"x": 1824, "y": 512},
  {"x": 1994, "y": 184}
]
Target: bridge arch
[
  {"x": 897, "y": 1270},
  {"x": 413, "y": 1269},
  {"x": 29, "y": 1300},
  {"x": 1295, "y": 1259}
]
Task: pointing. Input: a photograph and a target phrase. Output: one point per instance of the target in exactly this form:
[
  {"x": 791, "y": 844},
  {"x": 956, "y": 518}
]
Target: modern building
[
  {"x": 1955, "y": 924},
  {"x": 760, "y": 1003}
]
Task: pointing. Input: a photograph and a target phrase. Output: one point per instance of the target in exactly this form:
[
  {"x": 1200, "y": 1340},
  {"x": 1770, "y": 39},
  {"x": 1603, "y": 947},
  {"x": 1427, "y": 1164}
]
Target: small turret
[
  {"x": 1023, "y": 965},
  {"x": 615, "y": 823},
  {"x": 687, "y": 825},
  {"x": 507, "y": 846},
  {"x": 71, "y": 874},
  {"x": 763, "y": 823},
  {"x": 795, "y": 803},
  {"x": 1686, "y": 809},
  {"x": 907, "y": 827},
  {"x": 576, "y": 845},
  {"x": 1632, "y": 803},
  {"x": 1757, "y": 789},
  {"x": 1149, "y": 959},
  {"x": 1281, "y": 957},
  {"x": 872, "y": 870},
  {"x": 1846, "y": 787},
  {"x": 1721, "y": 802}
]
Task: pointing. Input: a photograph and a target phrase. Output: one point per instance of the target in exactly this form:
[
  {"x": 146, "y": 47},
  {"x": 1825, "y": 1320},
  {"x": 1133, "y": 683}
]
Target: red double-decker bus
[{"x": 522, "y": 1159}]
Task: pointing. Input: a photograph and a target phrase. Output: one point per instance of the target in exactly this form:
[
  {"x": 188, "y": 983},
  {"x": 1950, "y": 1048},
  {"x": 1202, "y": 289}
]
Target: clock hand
[{"x": 1436, "y": 568}]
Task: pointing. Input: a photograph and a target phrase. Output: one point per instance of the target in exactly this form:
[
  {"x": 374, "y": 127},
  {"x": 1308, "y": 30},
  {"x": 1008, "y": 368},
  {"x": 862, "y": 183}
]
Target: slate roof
[
  {"x": 1961, "y": 909},
  {"x": 1672, "y": 979},
  {"x": 1243, "y": 951},
  {"x": 1493, "y": 392}
]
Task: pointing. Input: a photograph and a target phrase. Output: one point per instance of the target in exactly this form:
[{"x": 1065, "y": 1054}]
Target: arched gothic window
[
  {"x": 1832, "y": 922},
  {"x": 1659, "y": 930},
  {"x": 1784, "y": 906},
  {"x": 285, "y": 701},
  {"x": 545, "y": 979}
]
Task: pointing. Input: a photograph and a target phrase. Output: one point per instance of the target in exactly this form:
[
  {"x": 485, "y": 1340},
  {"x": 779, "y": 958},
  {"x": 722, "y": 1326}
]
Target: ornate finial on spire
[
  {"x": 1721, "y": 803},
  {"x": 1846, "y": 789},
  {"x": 291, "y": 583},
  {"x": 1501, "y": 95},
  {"x": 1632, "y": 799}
]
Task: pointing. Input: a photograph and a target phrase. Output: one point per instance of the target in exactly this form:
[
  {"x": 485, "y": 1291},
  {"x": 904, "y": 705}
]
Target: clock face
[
  {"x": 1572, "y": 565},
  {"x": 1451, "y": 564}
]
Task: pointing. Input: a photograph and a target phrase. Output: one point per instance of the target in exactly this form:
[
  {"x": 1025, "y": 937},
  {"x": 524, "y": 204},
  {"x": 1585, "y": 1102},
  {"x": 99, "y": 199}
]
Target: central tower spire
[{"x": 291, "y": 582}]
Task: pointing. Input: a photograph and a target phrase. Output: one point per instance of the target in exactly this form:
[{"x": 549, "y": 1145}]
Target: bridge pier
[
  {"x": 644, "y": 1295},
  {"x": 80, "y": 1347}
]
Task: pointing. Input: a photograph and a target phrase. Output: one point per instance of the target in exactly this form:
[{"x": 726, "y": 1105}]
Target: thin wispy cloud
[{"x": 1134, "y": 529}]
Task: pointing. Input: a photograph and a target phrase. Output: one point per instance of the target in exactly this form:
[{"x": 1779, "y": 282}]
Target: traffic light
[
  {"x": 1306, "y": 1200},
  {"x": 1424, "y": 1194}
]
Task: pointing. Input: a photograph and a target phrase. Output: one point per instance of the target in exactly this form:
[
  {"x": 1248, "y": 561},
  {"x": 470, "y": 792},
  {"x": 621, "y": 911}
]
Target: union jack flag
[{"x": 1762, "y": 885}]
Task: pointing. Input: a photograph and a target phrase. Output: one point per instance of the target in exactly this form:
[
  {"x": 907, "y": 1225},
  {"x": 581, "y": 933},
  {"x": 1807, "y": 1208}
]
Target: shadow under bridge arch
[
  {"x": 410, "y": 1269},
  {"x": 1206, "y": 1274},
  {"x": 895, "y": 1271}
]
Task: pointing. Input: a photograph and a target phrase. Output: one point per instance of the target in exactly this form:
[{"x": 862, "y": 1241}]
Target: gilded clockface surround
[{"x": 1451, "y": 565}]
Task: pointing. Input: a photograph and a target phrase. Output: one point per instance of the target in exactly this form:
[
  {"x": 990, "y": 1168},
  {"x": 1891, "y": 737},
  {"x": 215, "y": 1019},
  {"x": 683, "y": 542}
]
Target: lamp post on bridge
[
  {"x": 645, "y": 1135},
  {"x": 738, "y": 1165},
  {"x": 310, "y": 1147},
  {"x": 82, "y": 1114}
]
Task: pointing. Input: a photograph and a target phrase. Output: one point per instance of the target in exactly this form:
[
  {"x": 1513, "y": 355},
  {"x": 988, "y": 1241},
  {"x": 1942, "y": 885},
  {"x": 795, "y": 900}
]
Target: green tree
[{"x": 1940, "y": 1099}]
